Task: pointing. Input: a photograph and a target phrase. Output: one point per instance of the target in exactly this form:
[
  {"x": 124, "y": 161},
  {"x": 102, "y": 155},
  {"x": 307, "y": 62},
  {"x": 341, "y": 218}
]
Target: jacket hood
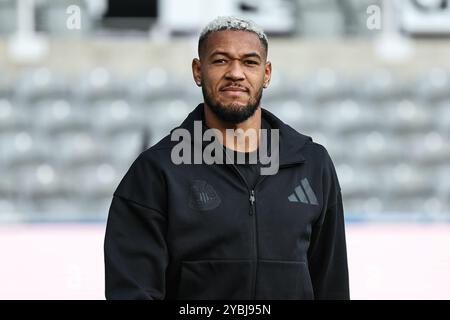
[{"x": 291, "y": 142}]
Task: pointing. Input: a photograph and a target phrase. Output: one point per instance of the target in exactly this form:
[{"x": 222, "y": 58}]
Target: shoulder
[
  {"x": 157, "y": 153},
  {"x": 316, "y": 151},
  {"x": 320, "y": 161}
]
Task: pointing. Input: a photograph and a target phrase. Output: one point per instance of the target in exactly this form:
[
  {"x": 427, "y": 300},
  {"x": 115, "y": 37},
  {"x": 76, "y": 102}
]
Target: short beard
[{"x": 232, "y": 114}]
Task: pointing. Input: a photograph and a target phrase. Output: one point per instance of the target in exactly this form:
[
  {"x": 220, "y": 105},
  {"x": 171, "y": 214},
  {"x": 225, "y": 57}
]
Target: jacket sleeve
[
  {"x": 327, "y": 254},
  {"x": 135, "y": 248}
]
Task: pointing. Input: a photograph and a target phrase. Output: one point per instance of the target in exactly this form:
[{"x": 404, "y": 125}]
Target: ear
[
  {"x": 267, "y": 73},
  {"x": 197, "y": 71}
]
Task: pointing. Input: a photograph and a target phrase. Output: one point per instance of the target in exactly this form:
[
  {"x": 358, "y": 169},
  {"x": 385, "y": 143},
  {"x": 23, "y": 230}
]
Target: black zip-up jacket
[{"x": 198, "y": 232}]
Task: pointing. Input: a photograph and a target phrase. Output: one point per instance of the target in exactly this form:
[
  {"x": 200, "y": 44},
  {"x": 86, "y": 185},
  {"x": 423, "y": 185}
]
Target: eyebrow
[{"x": 247, "y": 55}]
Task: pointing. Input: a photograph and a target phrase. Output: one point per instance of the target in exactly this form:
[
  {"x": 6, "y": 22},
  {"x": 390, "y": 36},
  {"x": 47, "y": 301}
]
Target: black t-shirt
[{"x": 249, "y": 169}]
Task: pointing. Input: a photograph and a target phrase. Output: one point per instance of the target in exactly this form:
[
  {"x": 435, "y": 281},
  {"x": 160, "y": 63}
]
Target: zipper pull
[
  {"x": 252, "y": 197},
  {"x": 252, "y": 202}
]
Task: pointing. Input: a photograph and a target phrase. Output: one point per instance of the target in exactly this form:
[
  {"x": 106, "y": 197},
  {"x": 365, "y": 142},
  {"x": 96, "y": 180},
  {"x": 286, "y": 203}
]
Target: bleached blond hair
[{"x": 232, "y": 23}]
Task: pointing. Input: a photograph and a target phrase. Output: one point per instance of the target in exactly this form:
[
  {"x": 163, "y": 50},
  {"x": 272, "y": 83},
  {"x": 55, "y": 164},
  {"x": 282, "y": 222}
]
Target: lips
[{"x": 234, "y": 89}]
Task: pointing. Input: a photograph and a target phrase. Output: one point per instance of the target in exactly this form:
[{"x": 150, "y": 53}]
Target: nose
[{"x": 235, "y": 71}]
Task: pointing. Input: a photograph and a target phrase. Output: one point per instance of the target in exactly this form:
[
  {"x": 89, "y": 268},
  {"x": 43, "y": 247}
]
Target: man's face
[{"x": 232, "y": 71}]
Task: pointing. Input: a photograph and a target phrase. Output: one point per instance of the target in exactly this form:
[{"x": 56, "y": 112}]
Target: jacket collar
[{"x": 291, "y": 141}]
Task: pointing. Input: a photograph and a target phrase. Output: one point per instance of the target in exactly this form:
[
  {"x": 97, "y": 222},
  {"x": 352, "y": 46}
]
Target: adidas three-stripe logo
[{"x": 304, "y": 193}]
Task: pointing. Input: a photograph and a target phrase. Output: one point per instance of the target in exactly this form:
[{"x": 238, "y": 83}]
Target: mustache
[{"x": 235, "y": 86}]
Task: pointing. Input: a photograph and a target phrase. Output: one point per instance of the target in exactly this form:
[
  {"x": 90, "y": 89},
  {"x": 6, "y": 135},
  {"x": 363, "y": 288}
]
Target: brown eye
[{"x": 251, "y": 62}]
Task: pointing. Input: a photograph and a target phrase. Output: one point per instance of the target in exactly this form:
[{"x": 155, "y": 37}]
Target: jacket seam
[
  {"x": 284, "y": 261},
  {"x": 139, "y": 204},
  {"x": 317, "y": 224},
  {"x": 160, "y": 148},
  {"x": 217, "y": 260},
  {"x": 333, "y": 205},
  {"x": 243, "y": 260}
]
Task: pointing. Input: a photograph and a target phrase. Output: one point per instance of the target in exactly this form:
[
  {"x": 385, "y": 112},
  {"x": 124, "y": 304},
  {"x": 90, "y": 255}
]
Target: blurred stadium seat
[
  {"x": 98, "y": 83},
  {"x": 8, "y": 17},
  {"x": 41, "y": 84},
  {"x": 432, "y": 86}
]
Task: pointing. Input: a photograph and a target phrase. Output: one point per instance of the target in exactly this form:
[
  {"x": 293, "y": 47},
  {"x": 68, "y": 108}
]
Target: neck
[{"x": 243, "y": 141}]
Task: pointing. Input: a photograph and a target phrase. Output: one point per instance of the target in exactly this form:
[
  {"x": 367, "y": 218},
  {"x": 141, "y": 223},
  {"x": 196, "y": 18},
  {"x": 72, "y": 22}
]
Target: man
[{"x": 180, "y": 230}]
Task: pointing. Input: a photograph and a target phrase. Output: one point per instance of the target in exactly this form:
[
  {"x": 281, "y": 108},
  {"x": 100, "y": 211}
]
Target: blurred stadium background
[{"x": 85, "y": 86}]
